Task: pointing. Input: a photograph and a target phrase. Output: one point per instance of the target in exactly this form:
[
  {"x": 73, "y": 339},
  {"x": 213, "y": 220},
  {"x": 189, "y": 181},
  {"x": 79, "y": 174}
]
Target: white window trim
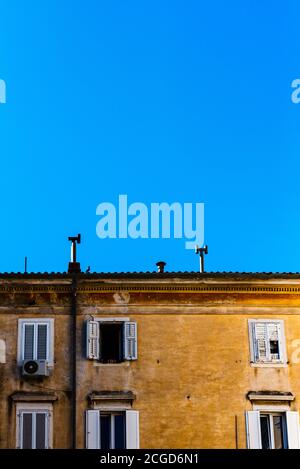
[
  {"x": 32, "y": 407},
  {"x": 111, "y": 319},
  {"x": 116, "y": 407},
  {"x": 271, "y": 408},
  {"x": 50, "y": 341},
  {"x": 268, "y": 364}
]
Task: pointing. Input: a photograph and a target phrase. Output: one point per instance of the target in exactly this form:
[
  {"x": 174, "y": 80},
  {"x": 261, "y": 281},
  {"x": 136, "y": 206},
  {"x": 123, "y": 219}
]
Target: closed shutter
[
  {"x": 42, "y": 337},
  {"x": 130, "y": 340},
  {"x": 40, "y": 430},
  {"x": 28, "y": 342},
  {"x": 92, "y": 429},
  {"x": 92, "y": 340},
  {"x": 253, "y": 429},
  {"x": 293, "y": 434},
  {"x": 260, "y": 337},
  {"x": 26, "y": 430},
  {"x": 132, "y": 429}
]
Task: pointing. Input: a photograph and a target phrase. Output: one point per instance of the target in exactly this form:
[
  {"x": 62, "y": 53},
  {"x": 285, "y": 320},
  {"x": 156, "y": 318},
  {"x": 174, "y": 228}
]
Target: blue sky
[{"x": 163, "y": 101}]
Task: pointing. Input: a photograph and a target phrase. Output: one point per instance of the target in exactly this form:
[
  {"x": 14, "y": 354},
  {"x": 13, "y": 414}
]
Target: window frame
[
  {"x": 112, "y": 435},
  {"x": 270, "y": 416},
  {"x": 282, "y": 361},
  {"x": 50, "y": 338},
  {"x": 34, "y": 408}
]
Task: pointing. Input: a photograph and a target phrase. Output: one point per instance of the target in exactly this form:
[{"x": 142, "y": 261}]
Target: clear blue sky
[{"x": 163, "y": 100}]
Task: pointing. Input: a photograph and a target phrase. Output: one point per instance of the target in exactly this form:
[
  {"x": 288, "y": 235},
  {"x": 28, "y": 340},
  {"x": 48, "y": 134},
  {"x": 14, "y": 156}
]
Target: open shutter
[
  {"x": 253, "y": 429},
  {"x": 132, "y": 429},
  {"x": 92, "y": 429},
  {"x": 28, "y": 342},
  {"x": 260, "y": 337},
  {"x": 293, "y": 434},
  {"x": 130, "y": 340},
  {"x": 92, "y": 340}
]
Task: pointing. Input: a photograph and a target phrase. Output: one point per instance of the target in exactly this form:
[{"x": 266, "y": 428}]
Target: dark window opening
[
  {"x": 112, "y": 431},
  {"x": 120, "y": 431},
  {"x": 274, "y": 347},
  {"x": 265, "y": 432},
  {"x": 105, "y": 430},
  {"x": 111, "y": 339},
  {"x": 273, "y": 431}
]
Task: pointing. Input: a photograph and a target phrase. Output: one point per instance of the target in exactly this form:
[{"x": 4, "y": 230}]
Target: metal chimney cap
[
  {"x": 76, "y": 239},
  {"x": 161, "y": 266}
]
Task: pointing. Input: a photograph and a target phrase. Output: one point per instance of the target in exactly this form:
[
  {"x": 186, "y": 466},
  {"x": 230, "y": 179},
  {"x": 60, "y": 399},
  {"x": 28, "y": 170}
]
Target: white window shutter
[
  {"x": 253, "y": 429},
  {"x": 293, "y": 434},
  {"x": 42, "y": 341},
  {"x": 92, "y": 429},
  {"x": 28, "y": 342},
  {"x": 132, "y": 429},
  {"x": 260, "y": 337},
  {"x": 92, "y": 339},
  {"x": 130, "y": 340}
]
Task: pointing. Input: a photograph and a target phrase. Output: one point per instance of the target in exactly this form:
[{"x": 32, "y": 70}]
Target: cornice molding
[{"x": 154, "y": 288}]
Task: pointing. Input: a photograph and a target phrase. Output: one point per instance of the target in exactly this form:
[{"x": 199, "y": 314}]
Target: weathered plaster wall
[{"x": 193, "y": 370}]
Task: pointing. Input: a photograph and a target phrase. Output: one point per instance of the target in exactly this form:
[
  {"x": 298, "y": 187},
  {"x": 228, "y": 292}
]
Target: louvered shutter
[
  {"x": 293, "y": 434},
  {"x": 40, "y": 430},
  {"x": 28, "y": 342},
  {"x": 253, "y": 429},
  {"x": 26, "y": 430},
  {"x": 92, "y": 429},
  {"x": 132, "y": 429},
  {"x": 42, "y": 338},
  {"x": 130, "y": 340},
  {"x": 260, "y": 338},
  {"x": 92, "y": 340}
]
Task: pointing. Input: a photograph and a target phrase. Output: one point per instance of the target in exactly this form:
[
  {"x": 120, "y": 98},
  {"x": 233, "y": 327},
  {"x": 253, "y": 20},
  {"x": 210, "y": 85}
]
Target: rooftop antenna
[
  {"x": 74, "y": 266},
  {"x": 25, "y": 265},
  {"x": 201, "y": 252}
]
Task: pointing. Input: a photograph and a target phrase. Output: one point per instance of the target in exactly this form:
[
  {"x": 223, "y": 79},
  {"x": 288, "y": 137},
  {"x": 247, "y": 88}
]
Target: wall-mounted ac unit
[{"x": 35, "y": 368}]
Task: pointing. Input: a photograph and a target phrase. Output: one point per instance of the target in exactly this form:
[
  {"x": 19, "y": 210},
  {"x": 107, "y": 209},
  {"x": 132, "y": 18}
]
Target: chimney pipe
[
  {"x": 161, "y": 267},
  {"x": 74, "y": 266},
  {"x": 201, "y": 252}
]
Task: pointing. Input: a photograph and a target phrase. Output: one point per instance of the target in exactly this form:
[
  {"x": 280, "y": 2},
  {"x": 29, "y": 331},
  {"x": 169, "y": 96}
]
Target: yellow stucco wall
[{"x": 193, "y": 371}]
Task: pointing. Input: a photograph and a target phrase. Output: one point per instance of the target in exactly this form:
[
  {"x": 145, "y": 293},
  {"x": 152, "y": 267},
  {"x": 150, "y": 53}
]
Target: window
[
  {"x": 272, "y": 430},
  {"x": 111, "y": 341},
  {"x": 35, "y": 340},
  {"x": 112, "y": 430},
  {"x": 267, "y": 343},
  {"x": 33, "y": 426}
]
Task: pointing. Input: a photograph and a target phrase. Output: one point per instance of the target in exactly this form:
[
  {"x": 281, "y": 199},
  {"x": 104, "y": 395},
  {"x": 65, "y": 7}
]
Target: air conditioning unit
[{"x": 35, "y": 368}]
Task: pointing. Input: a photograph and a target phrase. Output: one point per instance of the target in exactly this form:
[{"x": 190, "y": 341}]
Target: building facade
[{"x": 157, "y": 360}]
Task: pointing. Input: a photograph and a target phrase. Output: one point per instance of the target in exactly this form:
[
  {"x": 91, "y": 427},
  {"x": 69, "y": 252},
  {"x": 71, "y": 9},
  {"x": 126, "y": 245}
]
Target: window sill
[
  {"x": 269, "y": 365},
  {"x": 124, "y": 364}
]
